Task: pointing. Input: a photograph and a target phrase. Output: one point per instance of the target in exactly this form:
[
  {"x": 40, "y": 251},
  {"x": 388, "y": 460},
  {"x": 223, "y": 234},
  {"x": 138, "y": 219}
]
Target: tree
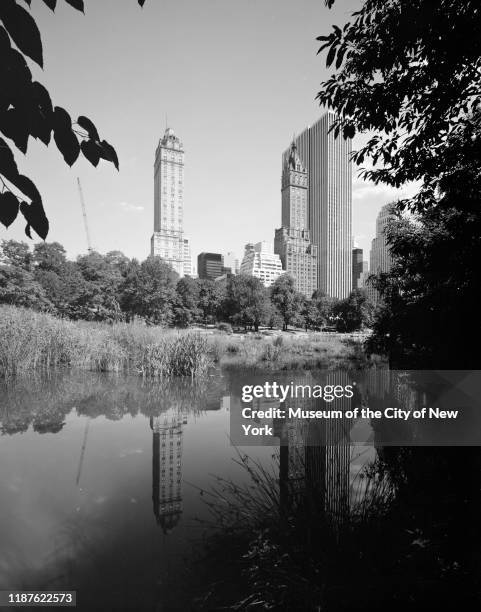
[
  {"x": 407, "y": 71},
  {"x": 429, "y": 314},
  {"x": 247, "y": 301},
  {"x": 26, "y": 110},
  {"x": 354, "y": 312},
  {"x": 16, "y": 254},
  {"x": 325, "y": 307},
  {"x": 309, "y": 314},
  {"x": 211, "y": 295},
  {"x": 18, "y": 287},
  {"x": 61, "y": 279},
  {"x": 186, "y": 309},
  {"x": 286, "y": 299},
  {"x": 49, "y": 256},
  {"x": 99, "y": 298},
  {"x": 149, "y": 290}
]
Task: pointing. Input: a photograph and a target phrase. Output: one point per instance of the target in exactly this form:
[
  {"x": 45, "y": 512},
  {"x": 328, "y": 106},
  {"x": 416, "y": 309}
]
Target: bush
[{"x": 225, "y": 327}]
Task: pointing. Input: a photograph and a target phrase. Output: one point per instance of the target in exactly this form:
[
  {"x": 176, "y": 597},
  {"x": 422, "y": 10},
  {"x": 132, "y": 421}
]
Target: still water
[
  {"x": 101, "y": 479},
  {"x": 94, "y": 496}
]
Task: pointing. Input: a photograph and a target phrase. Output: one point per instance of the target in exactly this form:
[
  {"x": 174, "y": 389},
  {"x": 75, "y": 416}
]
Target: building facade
[
  {"x": 292, "y": 241},
  {"x": 359, "y": 268},
  {"x": 261, "y": 261},
  {"x": 167, "y": 468},
  {"x": 380, "y": 257},
  {"x": 231, "y": 262},
  {"x": 209, "y": 265},
  {"x": 168, "y": 238},
  {"x": 188, "y": 271},
  {"x": 329, "y": 203}
]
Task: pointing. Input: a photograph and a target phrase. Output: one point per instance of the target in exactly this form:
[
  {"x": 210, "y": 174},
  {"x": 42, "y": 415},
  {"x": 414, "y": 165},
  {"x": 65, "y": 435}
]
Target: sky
[{"x": 235, "y": 79}]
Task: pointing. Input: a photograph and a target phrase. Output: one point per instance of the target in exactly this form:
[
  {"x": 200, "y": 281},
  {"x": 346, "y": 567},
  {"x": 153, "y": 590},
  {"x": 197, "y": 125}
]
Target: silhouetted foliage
[
  {"x": 27, "y": 110},
  {"x": 408, "y": 71}
]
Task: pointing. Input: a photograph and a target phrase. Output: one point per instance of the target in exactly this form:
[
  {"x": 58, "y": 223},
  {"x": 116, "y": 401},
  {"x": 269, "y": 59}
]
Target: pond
[{"x": 101, "y": 480}]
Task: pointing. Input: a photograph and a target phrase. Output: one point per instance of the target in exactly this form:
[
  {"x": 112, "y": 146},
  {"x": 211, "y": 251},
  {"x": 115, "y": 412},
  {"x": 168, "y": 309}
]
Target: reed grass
[
  {"x": 283, "y": 352},
  {"x": 32, "y": 342}
]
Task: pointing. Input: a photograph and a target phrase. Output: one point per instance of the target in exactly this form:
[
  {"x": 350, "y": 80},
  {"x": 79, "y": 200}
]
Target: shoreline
[{"x": 35, "y": 342}]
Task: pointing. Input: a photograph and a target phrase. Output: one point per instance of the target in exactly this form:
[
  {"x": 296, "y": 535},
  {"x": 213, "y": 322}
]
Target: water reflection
[
  {"x": 96, "y": 472},
  {"x": 167, "y": 468}
]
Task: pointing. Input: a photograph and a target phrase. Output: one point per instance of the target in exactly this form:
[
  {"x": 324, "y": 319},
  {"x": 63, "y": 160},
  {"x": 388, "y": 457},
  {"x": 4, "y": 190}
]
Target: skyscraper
[
  {"x": 359, "y": 267},
  {"x": 168, "y": 238},
  {"x": 329, "y": 203},
  {"x": 381, "y": 259},
  {"x": 292, "y": 241}
]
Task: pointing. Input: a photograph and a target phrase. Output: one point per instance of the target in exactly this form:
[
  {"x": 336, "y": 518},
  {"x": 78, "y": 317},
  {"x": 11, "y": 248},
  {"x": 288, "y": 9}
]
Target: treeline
[{"x": 113, "y": 288}]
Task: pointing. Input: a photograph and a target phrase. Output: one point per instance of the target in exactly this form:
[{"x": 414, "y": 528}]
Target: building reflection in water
[
  {"x": 315, "y": 454},
  {"x": 167, "y": 467}
]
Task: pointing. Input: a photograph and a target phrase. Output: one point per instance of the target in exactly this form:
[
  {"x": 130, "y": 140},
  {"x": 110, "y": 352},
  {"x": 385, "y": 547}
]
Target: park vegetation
[{"x": 112, "y": 288}]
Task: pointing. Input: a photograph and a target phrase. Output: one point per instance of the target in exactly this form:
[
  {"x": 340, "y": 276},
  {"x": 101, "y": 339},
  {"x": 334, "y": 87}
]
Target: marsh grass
[
  {"x": 289, "y": 555},
  {"x": 32, "y": 342},
  {"x": 285, "y": 352}
]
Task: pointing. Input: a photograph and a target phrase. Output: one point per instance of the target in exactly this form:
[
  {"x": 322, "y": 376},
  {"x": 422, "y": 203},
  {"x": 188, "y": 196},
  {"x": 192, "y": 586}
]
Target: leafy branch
[{"x": 26, "y": 110}]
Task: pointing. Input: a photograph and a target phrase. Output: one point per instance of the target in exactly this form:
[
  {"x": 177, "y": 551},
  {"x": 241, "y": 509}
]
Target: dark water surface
[
  {"x": 93, "y": 499},
  {"x": 100, "y": 480}
]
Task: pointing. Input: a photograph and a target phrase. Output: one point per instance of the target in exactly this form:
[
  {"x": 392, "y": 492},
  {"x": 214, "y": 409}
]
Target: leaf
[
  {"x": 64, "y": 137},
  {"x": 331, "y": 55},
  {"x": 13, "y": 124},
  {"x": 35, "y": 217},
  {"x": 16, "y": 77},
  {"x": 77, "y": 4},
  {"x": 108, "y": 153},
  {"x": 27, "y": 187},
  {"x": 8, "y": 208},
  {"x": 89, "y": 127},
  {"x": 340, "y": 57},
  {"x": 8, "y": 167},
  {"x": 91, "y": 151},
  {"x": 41, "y": 119},
  {"x": 51, "y": 4},
  {"x": 23, "y": 30}
]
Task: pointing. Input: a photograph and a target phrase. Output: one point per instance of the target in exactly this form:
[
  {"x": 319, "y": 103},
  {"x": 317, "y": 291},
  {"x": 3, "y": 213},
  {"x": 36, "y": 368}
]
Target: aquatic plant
[{"x": 32, "y": 342}]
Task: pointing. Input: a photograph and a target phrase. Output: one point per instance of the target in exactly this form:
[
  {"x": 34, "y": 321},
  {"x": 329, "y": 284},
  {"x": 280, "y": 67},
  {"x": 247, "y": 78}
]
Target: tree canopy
[{"x": 407, "y": 72}]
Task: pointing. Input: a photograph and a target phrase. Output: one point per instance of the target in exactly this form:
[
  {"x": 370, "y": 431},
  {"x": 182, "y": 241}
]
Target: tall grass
[
  {"x": 31, "y": 342},
  {"x": 310, "y": 351},
  {"x": 291, "y": 553}
]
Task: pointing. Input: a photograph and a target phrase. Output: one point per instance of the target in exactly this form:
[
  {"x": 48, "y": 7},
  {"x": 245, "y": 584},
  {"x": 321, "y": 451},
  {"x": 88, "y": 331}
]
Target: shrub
[{"x": 225, "y": 327}]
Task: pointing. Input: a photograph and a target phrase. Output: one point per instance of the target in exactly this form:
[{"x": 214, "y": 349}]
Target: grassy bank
[
  {"x": 288, "y": 351},
  {"x": 32, "y": 342}
]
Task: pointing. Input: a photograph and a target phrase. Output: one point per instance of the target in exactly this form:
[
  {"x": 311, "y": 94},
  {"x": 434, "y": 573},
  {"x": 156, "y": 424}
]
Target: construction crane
[
  {"x": 82, "y": 452},
  {"x": 84, "y": 213}
]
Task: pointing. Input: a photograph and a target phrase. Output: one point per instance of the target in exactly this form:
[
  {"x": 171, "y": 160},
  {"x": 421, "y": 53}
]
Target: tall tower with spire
[
  {"x": 168, "y": 240},
  {"x": 292, "y": 241}
]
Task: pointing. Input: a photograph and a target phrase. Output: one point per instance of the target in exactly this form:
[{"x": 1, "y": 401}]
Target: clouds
[
  {"x": 131, "y": 208},
  {"x": 366, "y": 190}
]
